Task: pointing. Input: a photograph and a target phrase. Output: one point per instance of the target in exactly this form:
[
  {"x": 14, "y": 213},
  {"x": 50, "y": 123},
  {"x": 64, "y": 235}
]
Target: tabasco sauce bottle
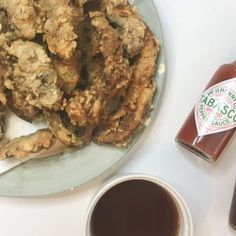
[{"x": 212, "y": 122}]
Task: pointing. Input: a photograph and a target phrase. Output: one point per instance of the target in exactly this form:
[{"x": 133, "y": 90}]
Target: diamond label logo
[{"x": 216, "y": 109}]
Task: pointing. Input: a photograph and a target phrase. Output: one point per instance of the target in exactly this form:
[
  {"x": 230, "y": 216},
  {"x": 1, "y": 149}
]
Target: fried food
[
  {"x": 26, "y": 145},
  {"x": 34, "y": 75},
  {"x": 3, "y": 99},
  {"x": 129, "y": 25},
  {"x": 84, "y": 108},
  {"x": 4, "y": 37},
  {"x": 23, "y": 17},
  {"x": 16, "y": 101},
  {"x": 61, "y": 26},
  {"x": 56, "y": 19},
  {"x": 68, "y": 73},
  {"x": 84, "y": 66},
  {"x": 109, "y": 80},
  {"x": 14, "y": 98},
  {"x": 75, "y": 125},
  {"x": 2, "y": 122},
  {"x": 69, "y": 135},
  {"x": 131, "y": 112},
  {"x": 5, "y": 71},
  {"x": 116, "y": 67}
]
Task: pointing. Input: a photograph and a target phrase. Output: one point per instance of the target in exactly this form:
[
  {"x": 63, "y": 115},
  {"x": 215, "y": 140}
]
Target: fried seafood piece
[
  {"x": 129, "y": 25},
  {"x": 68, "y": 73},
  {"x": 33, "y": 75},
  {"x": 2, "y": 122},
  {"x": 61, "y": 26},
  {"x": 109, "y": 79},
  {"x": 109, "y": 75},
  {"x": 131, "y": 113},
  {"x": 16, "y": 101},
  {"x": 116, "y": 67},
  {"x": 4, "y": 39},
  {"x": 5, "y": 63},
  {"x": 23, "y": 16},
  {"x": 56, "y": 19},
  {"x": 75, "y": 125},
  {"x": 69, "y": 135},
  {"x": 85, "y": 107},
  {"x": 26, "y": 145},
  {"x": 3, "y": 99}
]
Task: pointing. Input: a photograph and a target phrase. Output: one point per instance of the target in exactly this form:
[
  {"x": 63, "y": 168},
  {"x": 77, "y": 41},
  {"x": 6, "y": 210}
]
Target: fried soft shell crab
[{"x": 86, "y": 67}]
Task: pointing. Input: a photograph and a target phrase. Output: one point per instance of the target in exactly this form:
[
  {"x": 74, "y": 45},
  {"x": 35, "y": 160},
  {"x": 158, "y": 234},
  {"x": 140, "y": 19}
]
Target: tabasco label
[{"x": 216, "y": 109}]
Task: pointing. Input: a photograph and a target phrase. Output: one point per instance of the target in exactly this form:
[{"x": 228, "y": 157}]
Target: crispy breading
[
  {"x": 34, "y": 75},
  {"x": 109, "y": 76},
  {"x": 68, "y": 73},
  {"x": 5, "y": 68},
  {"x": 24, "y": 146},
  {"x": 109, "y": 80},
  {"x": 88, "y": 69},
  {"x": 129, "y": 25},
  {"x": 116, "y": 67},
  {"x": 56, "y": 19},
  {"x": 3, "y": 99},
  {"x": 129, "y": 116},
  {"x": 69, "y": 135},
  {"x": 16, "y": 101},
  {"x": 2, "y": 122},
  {"x": 61, "y": 26},
  {"x": 82, "y": 113},
  {"x": 84, "y": 108},
  {"x": 23, "y": 16}
]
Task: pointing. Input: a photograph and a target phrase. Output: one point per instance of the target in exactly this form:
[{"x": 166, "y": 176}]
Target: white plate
[{"x": 62, "y": 173}]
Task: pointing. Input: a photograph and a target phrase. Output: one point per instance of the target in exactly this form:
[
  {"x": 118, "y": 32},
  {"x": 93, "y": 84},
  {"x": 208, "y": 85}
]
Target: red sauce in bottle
[{"x": 208, "y": 146}]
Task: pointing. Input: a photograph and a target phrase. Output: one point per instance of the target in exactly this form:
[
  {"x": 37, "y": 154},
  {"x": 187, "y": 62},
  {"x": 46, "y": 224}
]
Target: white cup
[{"x": 186, "y": 225}]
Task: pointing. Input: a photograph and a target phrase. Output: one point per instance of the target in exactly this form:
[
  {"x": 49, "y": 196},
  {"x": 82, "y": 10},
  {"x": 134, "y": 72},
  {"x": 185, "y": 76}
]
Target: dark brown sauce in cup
[{"x": 135, "y": 208}]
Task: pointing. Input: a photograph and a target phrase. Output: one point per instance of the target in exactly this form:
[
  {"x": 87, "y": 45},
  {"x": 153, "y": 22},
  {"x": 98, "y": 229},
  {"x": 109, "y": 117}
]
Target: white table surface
[{"x": 200, "y": 35}]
